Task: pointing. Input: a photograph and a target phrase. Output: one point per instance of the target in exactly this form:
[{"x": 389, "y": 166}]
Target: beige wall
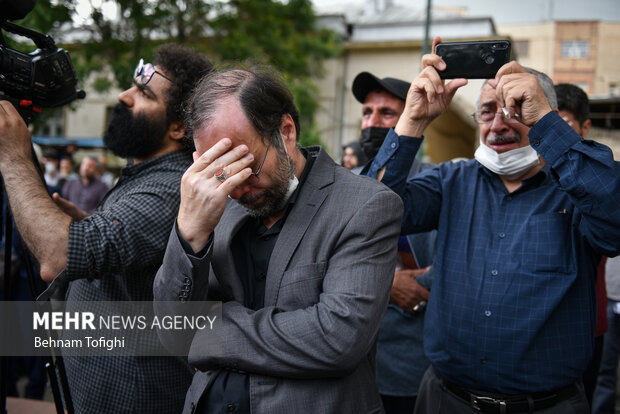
[
  {"x": 608, "y": 59},
  {"x": 87, "y": 118},
  {"x": 340, "y": 115},
  {"x": 540, "y": 38},
  {"x": 598, "y": 71},
  {"x": 576, "y": 70}
]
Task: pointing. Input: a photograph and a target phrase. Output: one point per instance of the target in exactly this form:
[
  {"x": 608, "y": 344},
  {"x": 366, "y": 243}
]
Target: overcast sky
[
  {"x": 502, "y": 11},
  {"x": 521, "y": 11}
]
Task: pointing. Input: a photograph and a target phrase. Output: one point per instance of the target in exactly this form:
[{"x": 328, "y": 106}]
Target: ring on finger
[
  {"x": 220, "y": 174},
  {"x": 419, "y": 307}
]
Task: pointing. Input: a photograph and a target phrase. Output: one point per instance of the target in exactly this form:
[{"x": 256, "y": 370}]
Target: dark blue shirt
[{"x": 512, "y": 308}]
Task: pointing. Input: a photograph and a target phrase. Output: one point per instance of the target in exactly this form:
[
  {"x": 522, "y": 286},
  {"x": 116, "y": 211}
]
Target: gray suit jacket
[{"x": 311, "y": 349}]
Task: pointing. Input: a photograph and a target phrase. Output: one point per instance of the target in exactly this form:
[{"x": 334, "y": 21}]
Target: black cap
[{"x": 366, "y": 82}]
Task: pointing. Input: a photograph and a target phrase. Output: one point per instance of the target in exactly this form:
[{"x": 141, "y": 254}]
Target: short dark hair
[
  {"x": 261, "y": 93},
  {"x": 185, "y": 67},
  {"x": 573, "y": 99}
]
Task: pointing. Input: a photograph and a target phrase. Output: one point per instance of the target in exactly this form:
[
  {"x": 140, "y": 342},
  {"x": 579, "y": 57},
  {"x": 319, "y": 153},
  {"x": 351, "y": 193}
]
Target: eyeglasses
[
  {"x": 486, "y": 117},
  {"x": 144, "y": 73},
  {"x": 260, "y": 167}
]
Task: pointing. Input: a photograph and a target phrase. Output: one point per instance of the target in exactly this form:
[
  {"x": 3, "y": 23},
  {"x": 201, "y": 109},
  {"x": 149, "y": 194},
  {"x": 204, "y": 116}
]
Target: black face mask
[
  {"x": 371, "y": 139},
  {"x": 138, "y": 136}
]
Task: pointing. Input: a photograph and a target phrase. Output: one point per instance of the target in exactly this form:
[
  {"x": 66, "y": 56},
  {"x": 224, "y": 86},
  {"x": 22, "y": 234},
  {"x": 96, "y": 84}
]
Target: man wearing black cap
[
  {"x": 383, "y": 100},
  {"x": 400, "y": 355}
]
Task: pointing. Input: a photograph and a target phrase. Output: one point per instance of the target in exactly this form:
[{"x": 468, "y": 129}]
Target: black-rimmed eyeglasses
[
  {"x": 144, "y": 73},
  {"x": 260, "y": 167}
]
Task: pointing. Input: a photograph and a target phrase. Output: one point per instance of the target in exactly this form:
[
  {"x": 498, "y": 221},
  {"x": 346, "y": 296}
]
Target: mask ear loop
[{"x": 294, "y": 181}]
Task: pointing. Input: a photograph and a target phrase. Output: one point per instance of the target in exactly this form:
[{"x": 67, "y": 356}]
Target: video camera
[{"x": 44, "y": 78}]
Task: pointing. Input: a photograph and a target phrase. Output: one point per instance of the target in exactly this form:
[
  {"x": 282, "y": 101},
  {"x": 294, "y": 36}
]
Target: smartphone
[{"x": 473, "y": 60}]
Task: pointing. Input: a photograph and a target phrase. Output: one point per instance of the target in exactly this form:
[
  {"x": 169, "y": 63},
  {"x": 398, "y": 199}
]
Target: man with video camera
[{"x": 113, "y": 254}]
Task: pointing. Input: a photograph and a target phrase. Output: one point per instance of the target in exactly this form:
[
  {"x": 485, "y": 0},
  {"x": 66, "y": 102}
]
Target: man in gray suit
[{"x": 302, "y": 249}]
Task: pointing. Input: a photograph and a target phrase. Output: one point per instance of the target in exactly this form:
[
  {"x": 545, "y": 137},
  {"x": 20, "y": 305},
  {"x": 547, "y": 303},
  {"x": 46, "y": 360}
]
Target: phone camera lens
[{"x": 489, "y": 59}]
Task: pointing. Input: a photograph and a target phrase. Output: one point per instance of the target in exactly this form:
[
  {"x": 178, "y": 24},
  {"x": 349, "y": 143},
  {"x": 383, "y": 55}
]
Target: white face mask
[
  {"x": 292, "y": 182},
  {"x": 510, "y": 164},
  {"x": 50, "y": 167}
]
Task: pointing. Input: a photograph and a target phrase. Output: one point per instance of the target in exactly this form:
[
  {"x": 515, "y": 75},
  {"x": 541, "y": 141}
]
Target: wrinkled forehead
[
  {"x": 488, "y": 97},
  {"x": 383, "y": 98},
  {"x": 229, "y": 121}
]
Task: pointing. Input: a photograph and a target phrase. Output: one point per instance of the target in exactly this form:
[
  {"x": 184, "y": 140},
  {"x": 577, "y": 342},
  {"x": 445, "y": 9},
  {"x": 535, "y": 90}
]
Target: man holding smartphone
[{"x": 510, "y": 321}]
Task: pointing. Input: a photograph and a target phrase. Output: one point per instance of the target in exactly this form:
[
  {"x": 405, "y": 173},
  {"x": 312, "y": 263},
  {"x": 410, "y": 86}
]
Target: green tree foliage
[{"x": 281, "y": 34}]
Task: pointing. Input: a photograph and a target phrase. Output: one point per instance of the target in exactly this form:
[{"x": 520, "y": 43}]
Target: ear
[
  {"x": 585, "y": 127},
  {"x": 176, "y": 130},
  {"x": 288, "y": 130}
]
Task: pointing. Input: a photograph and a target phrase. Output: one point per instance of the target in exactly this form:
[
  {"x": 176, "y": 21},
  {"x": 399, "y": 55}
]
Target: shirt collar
[{"x": 536, "y": 179}]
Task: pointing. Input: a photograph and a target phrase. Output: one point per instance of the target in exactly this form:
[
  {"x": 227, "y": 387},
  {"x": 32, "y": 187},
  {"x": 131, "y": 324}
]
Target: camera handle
[
  {"x": 42, "y": 41},
  {"x": 54, "y": 363}
]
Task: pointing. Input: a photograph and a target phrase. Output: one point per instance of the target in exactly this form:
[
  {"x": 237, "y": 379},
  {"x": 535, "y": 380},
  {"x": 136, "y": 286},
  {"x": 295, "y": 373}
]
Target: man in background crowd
[
  {"x": 66, "y": 171},
  {"x": 107, "y": 177},
  {"x": 353, "y": 156},
  {"x": 86, "y": 191},
  {"x": 401, "y": 362}
]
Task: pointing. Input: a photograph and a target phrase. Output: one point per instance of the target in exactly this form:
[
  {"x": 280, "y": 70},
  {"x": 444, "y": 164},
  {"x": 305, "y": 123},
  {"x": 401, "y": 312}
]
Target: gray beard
[{"x": 275, "y": 198}]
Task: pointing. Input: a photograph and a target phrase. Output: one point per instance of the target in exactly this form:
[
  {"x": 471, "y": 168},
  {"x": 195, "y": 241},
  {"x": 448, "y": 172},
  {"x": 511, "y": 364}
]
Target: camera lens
[{"x": 488, "y": 59}]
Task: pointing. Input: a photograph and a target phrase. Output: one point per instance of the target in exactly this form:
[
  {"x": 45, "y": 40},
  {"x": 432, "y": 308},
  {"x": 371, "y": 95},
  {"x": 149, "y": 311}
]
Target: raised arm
[
  {"x": 328, "y": 338},
  {"x": 42, "y": 225}
]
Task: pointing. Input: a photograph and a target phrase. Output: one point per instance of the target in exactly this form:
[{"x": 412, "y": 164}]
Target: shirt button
[
  {"x": 393, "y": 145},
  {"x": 536, "y": 142},
  {"x": 483, "y": 361},
  {"x": 509, "y": 198},
  {"x": 230, "y": 408},
  {"x": 487, "y": 313},
  {"x": 502, "y": 235},
  {"x": 494, "y": 272}
]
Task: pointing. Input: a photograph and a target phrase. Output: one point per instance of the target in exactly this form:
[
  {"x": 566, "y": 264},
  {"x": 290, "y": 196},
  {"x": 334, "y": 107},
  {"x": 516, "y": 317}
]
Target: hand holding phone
[{"x": 473, "y": 60}]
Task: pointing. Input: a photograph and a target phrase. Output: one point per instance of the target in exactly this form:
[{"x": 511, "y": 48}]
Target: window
[{"x": 575, "y": 49}]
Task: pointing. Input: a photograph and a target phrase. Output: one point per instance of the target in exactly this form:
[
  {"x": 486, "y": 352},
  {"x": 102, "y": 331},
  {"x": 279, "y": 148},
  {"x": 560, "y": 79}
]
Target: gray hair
[
  {"x": 545, "y": 83},
  {"x": 547, "y": 86}
]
